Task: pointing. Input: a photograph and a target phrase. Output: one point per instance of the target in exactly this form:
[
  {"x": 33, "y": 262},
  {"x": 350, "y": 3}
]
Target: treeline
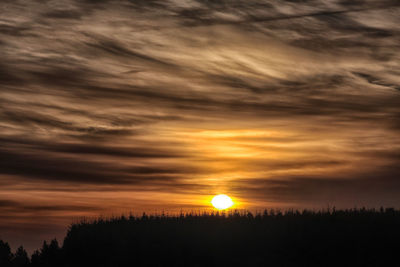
[
  {"x": 357, "y": 237},
  {"x": 49, "y": 255}
]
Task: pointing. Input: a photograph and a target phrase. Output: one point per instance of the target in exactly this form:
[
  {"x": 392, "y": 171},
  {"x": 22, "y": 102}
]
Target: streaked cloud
[{"x": 116, "y": 105}]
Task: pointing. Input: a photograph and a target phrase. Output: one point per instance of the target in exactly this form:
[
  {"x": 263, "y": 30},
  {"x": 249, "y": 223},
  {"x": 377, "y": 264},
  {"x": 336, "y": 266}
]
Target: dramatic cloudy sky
[{"x": 112, "y": 106}]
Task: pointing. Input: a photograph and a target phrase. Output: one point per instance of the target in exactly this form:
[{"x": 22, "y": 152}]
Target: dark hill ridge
[{"x": 330, "y": 238}]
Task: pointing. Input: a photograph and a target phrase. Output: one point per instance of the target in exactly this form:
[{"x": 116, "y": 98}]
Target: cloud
[
  {"x": 63, "y": 14},
  {"x": 53, "y": 169},
  {"x": 374, "y": 189},
  {"x": 18, "y": 208},
  {"x": 162, "y": 103}
]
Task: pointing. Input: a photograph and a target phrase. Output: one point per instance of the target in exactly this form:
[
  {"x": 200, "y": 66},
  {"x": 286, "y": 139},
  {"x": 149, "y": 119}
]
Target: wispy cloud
[{"x": 161, "y": 103}]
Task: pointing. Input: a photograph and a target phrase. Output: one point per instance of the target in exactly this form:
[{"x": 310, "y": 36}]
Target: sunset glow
[{"x": 111, "y": 107}]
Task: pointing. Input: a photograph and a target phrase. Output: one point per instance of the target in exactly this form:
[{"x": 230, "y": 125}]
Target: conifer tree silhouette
[
  {"x": 35, "y": 259},
  {"x": 51, "y": 254},
  {"x": 355, "y": 237},
  {"x": 5, "y": 254},
  {"x": 20, "y": 258}
]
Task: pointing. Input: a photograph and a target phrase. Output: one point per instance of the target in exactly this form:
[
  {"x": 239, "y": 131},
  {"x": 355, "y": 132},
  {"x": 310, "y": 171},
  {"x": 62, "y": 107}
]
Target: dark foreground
[{"x": 334, "y": 238}]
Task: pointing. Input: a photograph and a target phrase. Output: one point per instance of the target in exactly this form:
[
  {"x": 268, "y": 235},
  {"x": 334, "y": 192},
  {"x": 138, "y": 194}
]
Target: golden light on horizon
[{"x": 222, "y": 202}]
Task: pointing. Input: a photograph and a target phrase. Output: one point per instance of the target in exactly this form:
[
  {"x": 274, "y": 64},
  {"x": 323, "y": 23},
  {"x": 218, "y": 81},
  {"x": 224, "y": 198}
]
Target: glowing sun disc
[{"x": 221, "y": 202}]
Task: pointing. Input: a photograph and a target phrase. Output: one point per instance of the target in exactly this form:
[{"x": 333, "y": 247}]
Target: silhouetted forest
[{"x": 357, "y": 237}]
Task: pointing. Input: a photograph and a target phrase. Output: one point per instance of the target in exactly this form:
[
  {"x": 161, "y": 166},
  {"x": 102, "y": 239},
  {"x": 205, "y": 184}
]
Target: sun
[{"x": 221, "y": 202}]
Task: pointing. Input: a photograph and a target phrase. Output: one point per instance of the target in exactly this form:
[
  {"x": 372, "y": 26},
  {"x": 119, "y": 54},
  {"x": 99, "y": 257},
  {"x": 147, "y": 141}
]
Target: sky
[{"x": 110, "y": 107}]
